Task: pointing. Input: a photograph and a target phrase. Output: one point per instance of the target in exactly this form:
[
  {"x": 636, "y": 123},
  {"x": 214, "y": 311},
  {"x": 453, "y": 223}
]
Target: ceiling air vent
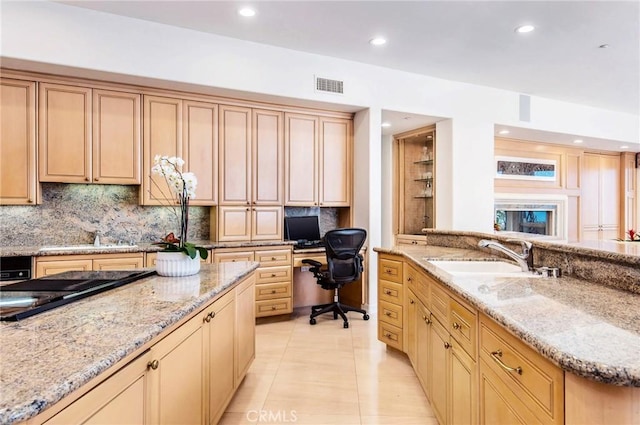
[{"x": 329, "y": 86}]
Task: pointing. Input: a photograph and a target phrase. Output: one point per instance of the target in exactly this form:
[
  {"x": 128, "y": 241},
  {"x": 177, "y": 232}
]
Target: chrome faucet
[
  {"x": 524, "y": 260},
  {"x": 96, "y": 241}
]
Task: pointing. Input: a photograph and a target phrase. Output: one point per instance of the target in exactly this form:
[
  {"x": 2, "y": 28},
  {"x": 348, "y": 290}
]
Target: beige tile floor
[{"x": 324, "y": 375}]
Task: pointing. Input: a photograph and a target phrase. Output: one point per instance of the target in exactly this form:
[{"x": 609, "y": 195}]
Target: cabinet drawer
[
  {"x": 268, "y": 291},
  {"x": 390, "y": 335},
  {"x": 411, "y": 277},
  {"x": 463, "y": 326},
  {"x": 222, "y": 257},
  {"x": 389, "y": 269},
  {"x": 276, "y": 257},
  {"x": 390, "y": 313},
  {"x": 273, "y": 274},
  {"x": 390, "y": 292},
  {"x": 440, "y": 303},
  {"x": 532, "y": 378},
  {"x": 273, "y": 307}
]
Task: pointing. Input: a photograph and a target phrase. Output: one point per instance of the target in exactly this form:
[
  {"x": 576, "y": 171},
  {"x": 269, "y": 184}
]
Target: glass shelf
[
  {"x": 423, "y": 197},
  {"x": 425, "y": 162},
  {"x": 423, "y": 180}
]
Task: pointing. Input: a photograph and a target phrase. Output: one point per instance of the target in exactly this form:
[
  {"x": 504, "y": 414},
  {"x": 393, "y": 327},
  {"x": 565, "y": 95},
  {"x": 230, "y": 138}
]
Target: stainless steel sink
[
  {"x": 92, "y": 247},
  {"x": 484, "y": 268}
]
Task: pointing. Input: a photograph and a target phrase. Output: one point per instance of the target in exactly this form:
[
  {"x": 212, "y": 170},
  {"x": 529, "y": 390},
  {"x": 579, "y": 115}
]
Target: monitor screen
[{"x": 302, "y": 228}]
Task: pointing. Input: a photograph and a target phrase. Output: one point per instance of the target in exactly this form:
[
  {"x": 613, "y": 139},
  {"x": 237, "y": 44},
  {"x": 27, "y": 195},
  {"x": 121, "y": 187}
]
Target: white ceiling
[{"x": 470, "y": 41}]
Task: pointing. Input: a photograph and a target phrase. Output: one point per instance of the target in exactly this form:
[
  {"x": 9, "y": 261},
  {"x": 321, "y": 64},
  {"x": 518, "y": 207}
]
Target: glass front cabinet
[{"x": 414, "y": 153}]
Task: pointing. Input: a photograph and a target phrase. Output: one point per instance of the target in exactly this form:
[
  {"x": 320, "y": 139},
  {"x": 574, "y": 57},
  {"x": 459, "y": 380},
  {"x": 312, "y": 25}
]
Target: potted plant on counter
[{"x": 178, "y": 257}]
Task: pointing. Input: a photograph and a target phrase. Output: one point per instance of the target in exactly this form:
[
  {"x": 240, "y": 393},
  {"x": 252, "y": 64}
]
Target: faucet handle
[{"x": 526, "y": 245}]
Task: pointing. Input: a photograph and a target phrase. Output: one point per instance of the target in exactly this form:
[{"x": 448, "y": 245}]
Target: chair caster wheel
[
  {"x": 335, "y": 316},
  {"x": 365, "y": 317},
  {"x": 346, "y": 325},
  {"x": 312, "y": 321}
]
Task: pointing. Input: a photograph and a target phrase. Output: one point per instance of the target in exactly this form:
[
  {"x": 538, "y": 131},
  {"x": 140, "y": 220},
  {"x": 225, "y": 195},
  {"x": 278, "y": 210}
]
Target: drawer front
[
  {"x": 390, "y": 335},
  {"x": 390, "y": 292},
  {"x": 532, "y": 378},
  {"x": 463, "y": 326},
  {"x": 411, "y": 277},
  {"x": 390, "y": 313},
  {"x": 273, "y": 307},
  {"x": 440, "y": 303},
  {"x": 390, "y": 270},
  {"x": 269, "y": 291},
  {"x": 276, "y": 257},
  {"x": 222, "y": 257},
  {"x": 273, "y": 274}
]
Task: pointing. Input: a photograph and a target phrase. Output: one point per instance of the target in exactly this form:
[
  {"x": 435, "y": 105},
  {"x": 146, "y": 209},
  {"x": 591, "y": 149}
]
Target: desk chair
[{"x": 344, "y": 265}]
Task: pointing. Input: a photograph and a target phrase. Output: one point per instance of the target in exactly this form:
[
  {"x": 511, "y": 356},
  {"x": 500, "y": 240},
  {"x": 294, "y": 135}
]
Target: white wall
[{"x": 42, "y": 34}]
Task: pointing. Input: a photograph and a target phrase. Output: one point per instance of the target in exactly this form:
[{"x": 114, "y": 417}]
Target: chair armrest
[{"x": 312, "y": 263}]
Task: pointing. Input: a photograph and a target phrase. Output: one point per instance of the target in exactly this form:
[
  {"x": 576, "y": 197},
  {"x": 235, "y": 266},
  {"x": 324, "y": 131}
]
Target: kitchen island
[
  {"x": 56, "y": 359},
  {"x": 557, "y": 351}
]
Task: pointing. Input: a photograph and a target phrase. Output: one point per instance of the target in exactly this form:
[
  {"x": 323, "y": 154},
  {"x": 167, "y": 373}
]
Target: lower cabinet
[
  {"x": 49, "y": 265},
  {"x": 187, "y": 377}
]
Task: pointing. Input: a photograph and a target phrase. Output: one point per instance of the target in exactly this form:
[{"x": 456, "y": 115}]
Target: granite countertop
[
  {"x": 585, "y": 328},
  {"x": 46, "y": 357},
  {"x": 36, "y": 251}
]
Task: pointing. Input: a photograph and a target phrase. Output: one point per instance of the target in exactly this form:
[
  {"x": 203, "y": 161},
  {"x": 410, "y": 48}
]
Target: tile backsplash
[{"x": 71, "y": 214}]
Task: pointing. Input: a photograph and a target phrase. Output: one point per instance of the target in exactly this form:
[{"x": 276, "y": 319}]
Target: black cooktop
[{"x": 24, "y": 299}]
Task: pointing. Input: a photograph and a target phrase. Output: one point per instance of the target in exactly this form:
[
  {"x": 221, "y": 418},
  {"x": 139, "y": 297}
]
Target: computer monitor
[{"x": 303, "y": 228}]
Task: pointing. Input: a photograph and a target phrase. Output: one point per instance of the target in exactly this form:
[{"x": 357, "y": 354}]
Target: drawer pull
[
  {"x": 447, "y": 345},
  {"x": 388, "y": 313},
  {"x": 273, "y": 291},
  {"x": 273, "y": 307},
  {"x": 388, "y": 271},
  {"x": 411, "y": 301},
  {"x": 456, "y": 325},
  {"x": 387, "y": 291},
  {"x": 153, "y": 364},
  {"x": 273, "y": 258},
  {"x": 495, "y": 355},
  {"x": 427, "y": 320},
  {"x": 409, "y": 279},
  {"x": 273, "y": 275}
]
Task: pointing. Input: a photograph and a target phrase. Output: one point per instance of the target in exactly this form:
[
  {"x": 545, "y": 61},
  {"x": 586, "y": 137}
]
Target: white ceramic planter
[{"x": 176, "y": 264}]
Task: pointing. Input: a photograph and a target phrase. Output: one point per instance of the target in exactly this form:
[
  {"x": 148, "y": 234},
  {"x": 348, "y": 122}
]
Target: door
[
  {"x": 117, "y": 144},
  {"x": 301, "y": 160},
  {"x": 335, "y": 162},
  {"x": 17, "y": 142},
  {"x": 235, "y": 155},
  {"x": 64, "y": 132},
  {"x": 162, "y": 136},
  {"x": 200, "y": 149},
  {"x": 268, "y": 157}
]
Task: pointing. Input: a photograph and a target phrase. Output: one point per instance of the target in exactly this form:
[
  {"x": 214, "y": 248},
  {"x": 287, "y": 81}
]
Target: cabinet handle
[
  {"x": 427, "y": 320},
  {"x": 273, "y": 291},
  {"x": 209, "y": 316},
  {"x": 387, "y": 335},
  {"x": 411, "y": 301},
  {"x": 456, "y": 325},
  {"x": 273, "y": 258},
  {"x": 273, "y": 307},
  {"x": 95, "y": 179},
  {"x": 447, "y": 345},
  {"x": 388, "y": 271},
  {"x": 30, "y": 201},
  {"x": 86, "y": 179},
  {"x": 387, "y": 291},
  {"x": 414, "y": 242},
  {"x": 409, "y": 279},
  {"x": 248, "y": 203},
  {"x": 153, "y": 364},
  {"x": 495, "y": 355},
  {"x": 273, "y": 275},
  {"x": 388, "y": 313}
]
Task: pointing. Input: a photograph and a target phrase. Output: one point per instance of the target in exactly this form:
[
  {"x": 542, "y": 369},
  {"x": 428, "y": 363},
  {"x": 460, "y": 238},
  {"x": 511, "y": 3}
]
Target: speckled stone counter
[
  {"x": 46, "y": 357},
  {"x": 588, "y": 329}
]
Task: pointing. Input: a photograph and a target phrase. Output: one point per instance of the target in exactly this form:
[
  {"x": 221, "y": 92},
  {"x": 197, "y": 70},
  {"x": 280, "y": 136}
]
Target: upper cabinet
[
  {"x": 600, "y": 197},
  {"x": 88, "y": 135},
  {"x": 235, "y": 155},
  {"x": 317, "y": 161},
  {"x": 17, "y": 142},
  {"x": 267, "y": 150},
  {"x": 200, "y": 148}
]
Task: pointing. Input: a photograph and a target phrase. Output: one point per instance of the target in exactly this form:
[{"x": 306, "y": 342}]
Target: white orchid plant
[{"x": 183, "y": 188}]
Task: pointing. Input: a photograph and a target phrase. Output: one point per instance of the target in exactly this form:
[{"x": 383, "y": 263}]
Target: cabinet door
[
  {"x": 17, "y": 142},
  {"x": 117, "y": 145},
  {"x": 134, "y": 261},
  {"x": 49, "y": 267},
  {"x": 121, "y": 399},
  {"x": 301, "y": 160},
  {"x": 423, "y": 346},
  {"x": 439, "y": 367},
  {"x": 610, "y": 195},
  {"x": 235, "y": 155},
  {"x": 176, "y": 378},
  {"x": 200, "y": 149},
  {"x": 335, "y": 162},
  {"x": 234, "y": 223},
  {"x": 220, "y": 344},
  {"x": 162, "y": 136},
  {"x": 411, "y": 311},
  {"x": 498, "y": 405},
  {"x": 245, "y": 328},
  {"x": 268, "y": 157},
  {"x": 266, "y": 223},
  {"x": 463, "y": 406},
  {"x": 64, "y": 131}
]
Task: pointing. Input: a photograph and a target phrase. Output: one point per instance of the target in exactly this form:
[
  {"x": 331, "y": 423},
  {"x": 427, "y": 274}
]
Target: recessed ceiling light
[
  {"x": 385, "y": 124},
  {"x": 503, "y": 132},
  {"x": 246, "y": 12},
  {"x": 378, "y": 41},
  {"x": 624, "y": 147},
  {"x": 577, "y": 141},
  {"x": 525, "y": 28}
]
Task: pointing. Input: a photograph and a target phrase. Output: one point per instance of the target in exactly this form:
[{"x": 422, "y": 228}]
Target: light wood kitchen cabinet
[
  {"x": 200, "y": 148},
  {"x": 600, "y": 197},
  {"x": 390, "y": 301},
  {"x": 318, "y": 161},
  {"x": 64, "y": 133},
  {"x": 236, "y": 223},
  {"x": 120, "y": 400},
  {"x": 245, "y": 337},
  {"x": 267, "y": 152},
  {"x": 46, "y": 266},
  {"x": 17, "y": 142},
  {"x": 162, "y": 135},
  {"x": 235, "y": 155},
  {"x": 274, "y": 278},
  {"x": 88, "y": 135}
]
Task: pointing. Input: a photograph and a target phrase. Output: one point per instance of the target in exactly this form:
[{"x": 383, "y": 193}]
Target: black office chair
[{"x": 344, "y": 265}]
